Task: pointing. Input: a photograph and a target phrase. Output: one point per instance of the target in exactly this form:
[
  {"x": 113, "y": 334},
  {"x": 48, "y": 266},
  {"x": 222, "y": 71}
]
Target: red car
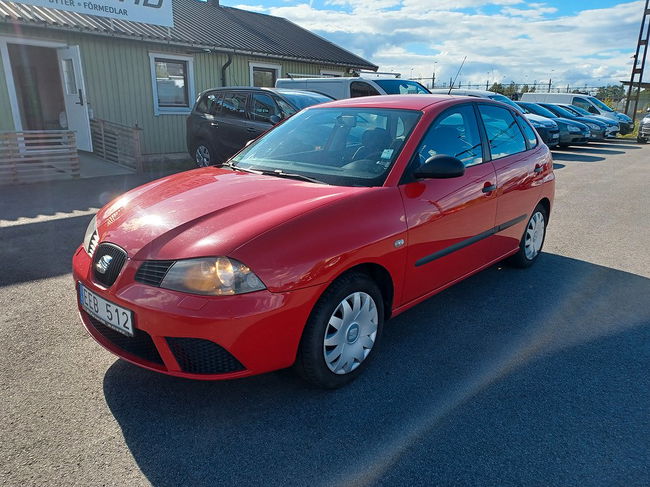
[{"x": 300, "y": 248}]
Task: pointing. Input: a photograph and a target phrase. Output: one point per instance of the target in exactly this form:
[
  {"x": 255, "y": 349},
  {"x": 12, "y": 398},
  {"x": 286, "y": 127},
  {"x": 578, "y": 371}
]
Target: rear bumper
[{"x": 199, "y": 337}]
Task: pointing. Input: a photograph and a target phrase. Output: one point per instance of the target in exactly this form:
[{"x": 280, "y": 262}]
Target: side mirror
[
  {"x": 440, "y": 166},
  {"x": 274, "y": 119}
]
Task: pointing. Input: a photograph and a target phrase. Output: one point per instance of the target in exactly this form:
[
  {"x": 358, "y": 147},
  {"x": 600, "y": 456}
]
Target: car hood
[
  {"x": 568, "y": 121},
  {"x": 585, "y": 120},
  {"x": 206, "y": 212},
  {"x": 538, "y": 118}
]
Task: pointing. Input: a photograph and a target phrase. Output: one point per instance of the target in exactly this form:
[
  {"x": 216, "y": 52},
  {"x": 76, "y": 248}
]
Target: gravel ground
[{"x": 535, "y": 377}]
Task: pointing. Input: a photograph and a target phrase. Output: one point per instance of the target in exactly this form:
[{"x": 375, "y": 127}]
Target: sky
[{"x": 570, "y": 42}]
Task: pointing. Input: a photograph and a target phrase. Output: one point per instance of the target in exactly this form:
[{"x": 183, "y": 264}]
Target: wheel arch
[
  {"x": 381, "y": 276},
  {"x": 546, "y": 203}
]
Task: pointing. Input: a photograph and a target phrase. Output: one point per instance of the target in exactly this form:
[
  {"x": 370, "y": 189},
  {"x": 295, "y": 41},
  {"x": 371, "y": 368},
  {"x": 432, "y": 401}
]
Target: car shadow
[
  {"x": 505, "y": 367},
  {"x": 575, "y": 157},
  {"x": 557, "y": 165},
  {"x": 617, "y": 145},
  {"x": 40, "y": 250}
]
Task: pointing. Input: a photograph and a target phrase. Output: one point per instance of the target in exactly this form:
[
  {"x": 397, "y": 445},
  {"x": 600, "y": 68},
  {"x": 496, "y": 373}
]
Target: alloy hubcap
[
  {"x": 350, "y": 333},
  {"x": 534, "y": 236},
  {"x": 202, "y": 156}
]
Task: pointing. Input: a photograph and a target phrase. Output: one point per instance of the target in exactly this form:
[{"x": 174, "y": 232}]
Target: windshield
[
  {"x": 560, "y": 111},
  {"x": 401, "y": 87},
  {"x": 506, "y": 100},
  {"x": 340, "y": 146},
  {"x": 300, "y": 100},
  {"x": 539, "y": 110},
  {"x": 579, "y": 110},
  {"x": 600, "y": 104}
]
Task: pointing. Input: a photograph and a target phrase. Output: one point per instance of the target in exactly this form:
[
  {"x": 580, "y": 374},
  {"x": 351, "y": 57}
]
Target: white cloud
[{"x": 520, "y": 43}]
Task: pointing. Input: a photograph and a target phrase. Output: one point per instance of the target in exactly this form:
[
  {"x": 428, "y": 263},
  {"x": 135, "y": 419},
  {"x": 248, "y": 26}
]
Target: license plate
[
  {"x": 114, "y": 316},
  {"x": 555, "y": 136}
]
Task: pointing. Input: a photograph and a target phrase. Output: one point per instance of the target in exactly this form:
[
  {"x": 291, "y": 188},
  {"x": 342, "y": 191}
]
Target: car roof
[
  {"x": 404, "y": 102},
  {"x": 257, "y": 88},
  {"x": 291, "y": 91}
]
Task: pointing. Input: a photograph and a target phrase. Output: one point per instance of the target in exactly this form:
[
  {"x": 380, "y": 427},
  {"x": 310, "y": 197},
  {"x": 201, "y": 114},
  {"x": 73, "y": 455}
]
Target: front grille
[
  {"x": 108, "y": 261},
  {"x": 140, "y": 344},
  {"x": 198, "y": 356},
  {"x": 92, "y": 245},
  {"x": 152, "y": 272}
]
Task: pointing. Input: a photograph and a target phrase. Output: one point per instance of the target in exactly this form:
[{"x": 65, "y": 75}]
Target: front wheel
[
  {"x": 532, "y": 241},
  {"x": 641, "y": 140},
  {"x": 342, "y": 331}
]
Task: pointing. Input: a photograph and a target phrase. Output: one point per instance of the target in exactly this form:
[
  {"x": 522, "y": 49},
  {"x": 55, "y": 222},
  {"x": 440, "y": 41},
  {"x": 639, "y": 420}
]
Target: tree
[
  {"x": 525, "y": 89},
  {"x": 497, "y": 88},
  {"x": 612, "y": 92}
]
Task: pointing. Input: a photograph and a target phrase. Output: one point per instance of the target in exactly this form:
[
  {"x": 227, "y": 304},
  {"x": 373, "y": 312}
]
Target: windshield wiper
[
  {"x": 275, "y": 172},
  {"x": 279, "y": 173}
]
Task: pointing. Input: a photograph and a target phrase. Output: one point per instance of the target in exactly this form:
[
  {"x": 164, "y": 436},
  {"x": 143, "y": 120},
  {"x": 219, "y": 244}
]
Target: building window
[
  {"x": 172, "y": 82},
  {"x": 331, "y": 74},
  {"x": 264, "y": 75}
]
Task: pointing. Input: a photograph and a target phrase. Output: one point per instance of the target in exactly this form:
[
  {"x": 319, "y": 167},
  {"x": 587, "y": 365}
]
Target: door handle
[
  {"x": 489, "y": 187},
  {"x": 538, "y": 169},
  {"x": 251, "y": 130},
  {"x": 81, "y": 98},
  {"x": 214, "y": 124}
]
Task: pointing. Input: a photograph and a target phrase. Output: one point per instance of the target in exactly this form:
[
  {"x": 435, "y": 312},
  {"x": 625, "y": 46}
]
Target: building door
[{"x": 74, "y": 95}]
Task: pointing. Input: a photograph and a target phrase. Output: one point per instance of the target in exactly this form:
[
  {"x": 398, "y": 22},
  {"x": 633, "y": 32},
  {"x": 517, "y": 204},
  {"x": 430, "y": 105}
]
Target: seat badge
[{"x": 103, "y": 263}]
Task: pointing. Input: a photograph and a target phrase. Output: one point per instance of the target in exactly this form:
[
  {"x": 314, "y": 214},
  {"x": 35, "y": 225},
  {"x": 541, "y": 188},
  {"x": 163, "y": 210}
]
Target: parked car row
[{"x": 224, "y": 120}]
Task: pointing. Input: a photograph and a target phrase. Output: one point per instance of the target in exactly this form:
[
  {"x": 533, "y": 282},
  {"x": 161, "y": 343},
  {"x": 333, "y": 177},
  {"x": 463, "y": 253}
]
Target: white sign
[{"x": 157, "y": 12}]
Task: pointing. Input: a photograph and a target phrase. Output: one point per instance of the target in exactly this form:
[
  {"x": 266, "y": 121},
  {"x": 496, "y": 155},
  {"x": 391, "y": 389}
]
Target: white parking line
[{"x": 59, "y": 215}]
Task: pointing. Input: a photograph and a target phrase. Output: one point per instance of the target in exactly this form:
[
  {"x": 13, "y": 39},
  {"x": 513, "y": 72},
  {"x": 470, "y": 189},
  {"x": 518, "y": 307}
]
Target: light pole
[{"x": 433, "y": 77}]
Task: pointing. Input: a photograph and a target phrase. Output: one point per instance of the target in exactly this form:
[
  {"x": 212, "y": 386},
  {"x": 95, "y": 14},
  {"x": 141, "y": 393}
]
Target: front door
[
  {"x": 450, "y": 221},
  {"x": 74, "y": 95}
]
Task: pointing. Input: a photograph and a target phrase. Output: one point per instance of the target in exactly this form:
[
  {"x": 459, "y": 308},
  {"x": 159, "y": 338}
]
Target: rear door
[
  {"x": 519, "y": 161},
  {"x": 262, "y": 107},
  {"x": 233, "y": 123},
  {"x": 449, "y": 220}
]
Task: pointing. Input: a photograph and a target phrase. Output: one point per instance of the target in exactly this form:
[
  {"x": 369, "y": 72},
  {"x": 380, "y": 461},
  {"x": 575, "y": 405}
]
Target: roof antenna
[{"x": 454, "y": 81}]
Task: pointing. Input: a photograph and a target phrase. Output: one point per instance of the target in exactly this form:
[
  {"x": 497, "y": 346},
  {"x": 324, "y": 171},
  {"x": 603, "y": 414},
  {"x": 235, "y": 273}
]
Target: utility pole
[
  {"x": 549, "y": 85},
  {"x": 642, "y": 43}
]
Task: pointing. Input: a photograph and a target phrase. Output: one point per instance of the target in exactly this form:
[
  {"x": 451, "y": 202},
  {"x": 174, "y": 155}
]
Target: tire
[
  {"x": 330, "y": 357},
  {"x": 204, "y": 154},
  {"x": 641, "y": 140},
  {"x": 531, "y": 243}
]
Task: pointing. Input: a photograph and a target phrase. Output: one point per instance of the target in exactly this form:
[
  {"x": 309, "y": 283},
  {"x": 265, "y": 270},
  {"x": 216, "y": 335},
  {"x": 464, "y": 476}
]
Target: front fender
[{"x": 316, "y": 247}]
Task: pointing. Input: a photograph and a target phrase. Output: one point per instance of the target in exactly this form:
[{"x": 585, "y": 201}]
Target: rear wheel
[
  {"x": 532, "y": 241},
  {"x": 204, "y": 154},
  {"x": 342, "y": 331}
]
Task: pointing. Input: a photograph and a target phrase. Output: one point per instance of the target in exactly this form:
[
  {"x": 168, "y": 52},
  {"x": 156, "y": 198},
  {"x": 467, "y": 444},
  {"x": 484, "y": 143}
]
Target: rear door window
[
  {"x": 263, "y": 108},
  {"x": 503, "y": 133},
  {"x": 359, "y": 88},
  {"x": 529, "y": 133},
  {"x": 233, "y": 105}
]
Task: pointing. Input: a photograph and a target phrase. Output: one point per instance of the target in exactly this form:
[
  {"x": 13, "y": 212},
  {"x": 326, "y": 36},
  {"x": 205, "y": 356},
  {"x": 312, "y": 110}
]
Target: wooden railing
[
  {"x": 38, "y": 155},
  {"x": 117, "y": 143}
]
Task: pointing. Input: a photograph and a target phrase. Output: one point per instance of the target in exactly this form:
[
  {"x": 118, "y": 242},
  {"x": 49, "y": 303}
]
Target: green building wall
[{"x": 117, "y": 76}]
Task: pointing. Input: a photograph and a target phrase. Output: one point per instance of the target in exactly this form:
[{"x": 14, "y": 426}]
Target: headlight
[
  {"x": 214, "y": 276},
  {"x": 573, "y": 128},
  {"x": 593, "y": 126},
  {"x": 91, "y": 237}
]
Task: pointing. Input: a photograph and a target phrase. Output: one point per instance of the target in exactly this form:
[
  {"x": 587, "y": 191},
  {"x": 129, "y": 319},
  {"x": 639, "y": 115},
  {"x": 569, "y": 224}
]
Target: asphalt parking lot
[{"x": 533, "y": 377}]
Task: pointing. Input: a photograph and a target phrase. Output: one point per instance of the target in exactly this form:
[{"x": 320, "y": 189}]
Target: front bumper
[
  {"x": 550, "y": 136},
  {"x": 644, "y": 130},
  {"x": 626, "y": 127},
  {"x": 570, "y": 138},
  {"x": 597, "y": 134},
  {"x": 200, "y": 337}
]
